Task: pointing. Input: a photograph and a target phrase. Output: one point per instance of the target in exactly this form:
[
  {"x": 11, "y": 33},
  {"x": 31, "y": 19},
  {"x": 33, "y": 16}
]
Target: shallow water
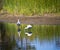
[{"x": 44, "y": 37}]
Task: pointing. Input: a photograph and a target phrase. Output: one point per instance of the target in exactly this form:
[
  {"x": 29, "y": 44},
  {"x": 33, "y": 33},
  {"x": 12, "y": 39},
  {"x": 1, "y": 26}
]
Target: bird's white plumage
[
  {"x": 18, "y": 22},
  {"x": 28, "y": 26},
  {"x": 29, "y": 34}
]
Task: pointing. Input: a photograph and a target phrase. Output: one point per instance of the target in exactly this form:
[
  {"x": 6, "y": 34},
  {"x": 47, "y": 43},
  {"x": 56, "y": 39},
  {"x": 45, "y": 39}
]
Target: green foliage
[
  {"x": 41, "y": 31},
  {"x": 32, "y": 7}
]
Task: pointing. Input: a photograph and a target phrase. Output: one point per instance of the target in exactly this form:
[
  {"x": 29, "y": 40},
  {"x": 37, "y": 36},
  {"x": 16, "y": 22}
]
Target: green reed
[
  {"x": 31, "y": 7},
  {"x": 40, "y": 31}
]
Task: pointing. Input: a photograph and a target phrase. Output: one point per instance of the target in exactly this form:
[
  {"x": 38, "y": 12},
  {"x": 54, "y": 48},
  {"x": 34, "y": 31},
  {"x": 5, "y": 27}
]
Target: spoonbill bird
[
  {"x": 29, "y": 34},
  {"x": 28, "y": 26},
  {"x": 18, "y": 22}
]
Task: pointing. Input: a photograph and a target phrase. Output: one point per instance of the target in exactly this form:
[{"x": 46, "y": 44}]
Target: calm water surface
[{"x": 44, "y": 37}]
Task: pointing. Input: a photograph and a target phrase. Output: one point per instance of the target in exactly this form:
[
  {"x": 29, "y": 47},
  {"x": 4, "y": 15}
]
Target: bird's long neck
[{"x": 18, "y": 20}]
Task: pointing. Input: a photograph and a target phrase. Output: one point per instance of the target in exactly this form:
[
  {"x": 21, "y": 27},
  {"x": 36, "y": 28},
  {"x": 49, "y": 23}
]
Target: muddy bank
[{"x": 31, "y": 20}]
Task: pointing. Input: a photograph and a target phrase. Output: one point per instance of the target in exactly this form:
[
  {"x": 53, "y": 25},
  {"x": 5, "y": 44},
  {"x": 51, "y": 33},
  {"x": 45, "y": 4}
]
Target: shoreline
[{"x": 31, "y": 20}]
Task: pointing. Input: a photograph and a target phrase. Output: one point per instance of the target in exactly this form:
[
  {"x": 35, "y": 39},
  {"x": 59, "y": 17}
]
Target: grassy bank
[{"x": 31, "y": 7}]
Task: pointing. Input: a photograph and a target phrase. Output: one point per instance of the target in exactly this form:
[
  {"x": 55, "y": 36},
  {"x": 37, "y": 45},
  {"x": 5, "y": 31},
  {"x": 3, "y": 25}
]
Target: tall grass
[
  {"x": 41, "y": 31},
  {"x": 32, "y": 7}
]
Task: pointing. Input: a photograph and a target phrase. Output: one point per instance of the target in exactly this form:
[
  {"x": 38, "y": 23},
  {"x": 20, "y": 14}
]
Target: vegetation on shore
[
  {"x": 41, "y": 31},
  {"x": 31, "y": 7}
]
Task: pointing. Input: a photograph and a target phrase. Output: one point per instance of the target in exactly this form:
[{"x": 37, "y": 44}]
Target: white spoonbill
[
  {"x": 18, "y": 22},
  {"x": 28, "y": 26}
]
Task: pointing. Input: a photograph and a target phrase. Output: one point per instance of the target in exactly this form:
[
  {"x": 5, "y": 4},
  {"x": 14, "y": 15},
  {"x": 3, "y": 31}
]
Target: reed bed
[{"x": 31, "y": 7}]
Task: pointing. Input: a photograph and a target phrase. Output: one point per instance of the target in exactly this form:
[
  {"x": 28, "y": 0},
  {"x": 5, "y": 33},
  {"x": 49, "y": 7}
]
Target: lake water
[{"x": 44, "y": 37}]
